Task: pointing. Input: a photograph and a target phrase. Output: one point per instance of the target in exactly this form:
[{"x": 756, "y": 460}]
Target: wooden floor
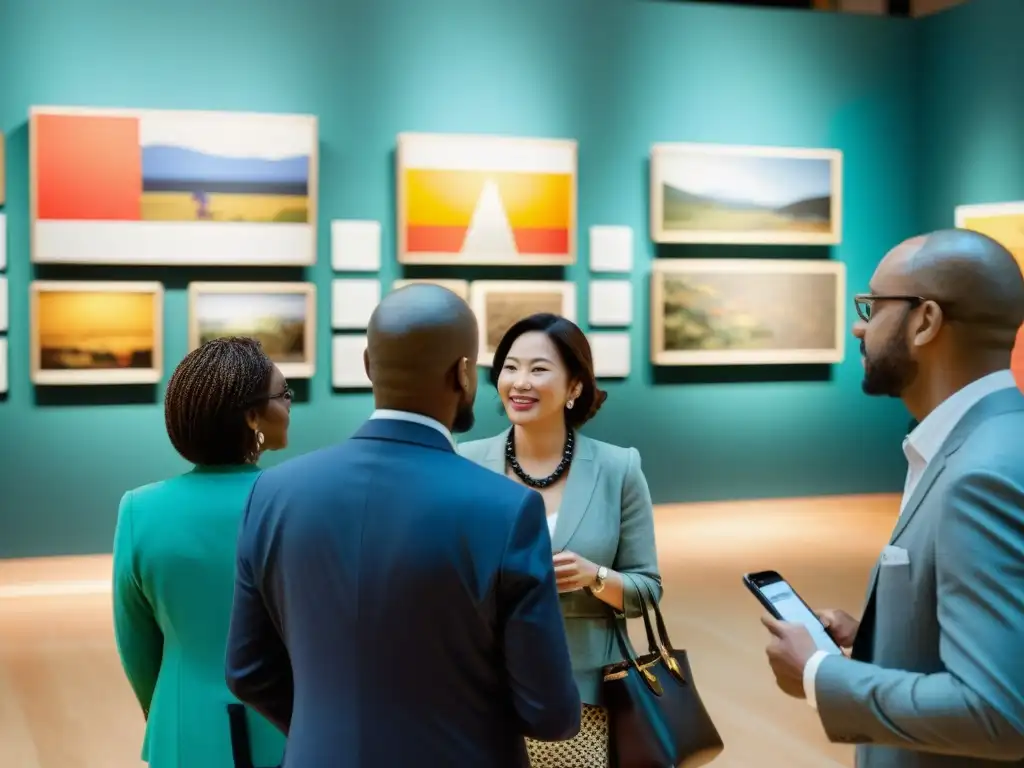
[{"x": 64, "y": 702}]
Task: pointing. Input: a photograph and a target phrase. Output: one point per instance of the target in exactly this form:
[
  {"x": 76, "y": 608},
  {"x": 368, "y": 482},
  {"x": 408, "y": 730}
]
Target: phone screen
[{"x": 792, "y": 608}]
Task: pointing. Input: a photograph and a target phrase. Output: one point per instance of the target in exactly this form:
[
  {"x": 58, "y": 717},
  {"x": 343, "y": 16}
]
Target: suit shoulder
[
  {"x": 475, "y": 450},
  {"x": 610, "y": 454},
  {"x": 156, "y": 494},
  {"x": 995, "y": 445}
]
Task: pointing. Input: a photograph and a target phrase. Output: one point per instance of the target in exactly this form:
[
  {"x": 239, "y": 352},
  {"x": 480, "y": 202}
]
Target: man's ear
[
  {"x": 462, "y": 374},
  {"x": 928, "y": 325},
  {"x": 366, "y": 363}
]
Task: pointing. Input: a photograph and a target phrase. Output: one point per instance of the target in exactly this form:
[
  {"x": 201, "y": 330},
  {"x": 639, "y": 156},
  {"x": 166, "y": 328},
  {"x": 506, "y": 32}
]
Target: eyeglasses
[
  {"x": 865, "y": 302},
  {"x": 287, "y": 394}
]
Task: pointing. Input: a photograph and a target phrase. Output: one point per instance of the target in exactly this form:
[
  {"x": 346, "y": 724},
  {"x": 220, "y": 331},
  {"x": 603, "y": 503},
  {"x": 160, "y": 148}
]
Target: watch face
[{"x": 602, "y": 572}]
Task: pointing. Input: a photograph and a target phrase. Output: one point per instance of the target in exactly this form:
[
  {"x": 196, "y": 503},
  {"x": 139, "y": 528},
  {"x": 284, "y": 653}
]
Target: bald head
[
  {"x": 416, "y": 338},
  {"x": 975, "y": 280}
]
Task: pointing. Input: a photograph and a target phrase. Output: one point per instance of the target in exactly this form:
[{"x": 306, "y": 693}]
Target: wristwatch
[{"x": 599, "y": 579}]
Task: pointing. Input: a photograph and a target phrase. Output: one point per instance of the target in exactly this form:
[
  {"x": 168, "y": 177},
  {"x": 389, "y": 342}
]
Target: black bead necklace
[{"x": 538, "y": 482}]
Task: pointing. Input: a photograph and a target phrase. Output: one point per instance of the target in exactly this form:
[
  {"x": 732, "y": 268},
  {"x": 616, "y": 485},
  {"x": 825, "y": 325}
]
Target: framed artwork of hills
[
  {"x": 150, "y": 187},
  {"x": 486, "y": 200},
  {"x": 711, "y": 193},
  {"x": 747, "y": 311},
  {"x": 282, "y": 316}
]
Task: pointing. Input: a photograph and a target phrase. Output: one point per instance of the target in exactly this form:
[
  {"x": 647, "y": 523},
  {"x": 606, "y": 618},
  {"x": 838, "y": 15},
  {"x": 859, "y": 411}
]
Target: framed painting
[
  {"x": 713, "y": 193},
  {"x": 747, "y": 312},
  {"x": 1003, "y": 222},
  {"x": 150, "y": 187},
  {"x": 85, "y": 333},
  {"x": 500, "y": 304},
  {"x": 486, "y": 200},
  {"x": 282, "y": 316},
  {"x": 459, "y": 287}
]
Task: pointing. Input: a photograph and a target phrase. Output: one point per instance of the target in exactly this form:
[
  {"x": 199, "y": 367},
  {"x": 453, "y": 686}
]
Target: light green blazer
[
  {"x": 174, "y": 566},
  {"x": 605, "y": 516}
]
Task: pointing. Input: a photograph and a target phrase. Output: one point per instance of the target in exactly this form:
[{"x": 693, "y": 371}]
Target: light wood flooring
[{"x": 64, "y": 702}]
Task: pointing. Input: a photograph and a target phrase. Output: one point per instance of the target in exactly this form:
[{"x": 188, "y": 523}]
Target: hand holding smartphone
[{"x": 783, "y": 602}]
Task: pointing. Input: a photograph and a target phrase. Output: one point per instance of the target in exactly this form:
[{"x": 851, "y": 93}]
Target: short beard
[
  {"x": 464, "y": 419},
  {"x": 891, "y": 372}
]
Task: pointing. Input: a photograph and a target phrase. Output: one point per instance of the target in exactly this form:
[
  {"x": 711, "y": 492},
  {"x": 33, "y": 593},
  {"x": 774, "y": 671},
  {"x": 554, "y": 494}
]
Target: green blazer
[
  {"x": 174, "y": 567},
  {"x": 605, "y": 516}
]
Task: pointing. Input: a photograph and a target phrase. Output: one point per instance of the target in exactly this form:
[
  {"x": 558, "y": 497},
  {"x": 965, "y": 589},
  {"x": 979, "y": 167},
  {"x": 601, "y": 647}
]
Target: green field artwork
[
  {"x": 708, "y": 196},
  {"x": 727, "y": 312}
]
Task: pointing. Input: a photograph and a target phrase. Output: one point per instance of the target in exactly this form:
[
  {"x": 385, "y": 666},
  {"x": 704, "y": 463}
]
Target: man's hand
[
  {"x": 840, "y": 625},
  {"x": 788, "y": 652},
  {"x": 573, "y": 572}
]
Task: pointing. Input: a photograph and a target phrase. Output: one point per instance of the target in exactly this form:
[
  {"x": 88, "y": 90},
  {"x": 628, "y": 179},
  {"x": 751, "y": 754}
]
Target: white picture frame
[
  {"x": 348, "y": 370},
  {"x": 610, "y": 303},
  {"x": 355, "y": 245}
]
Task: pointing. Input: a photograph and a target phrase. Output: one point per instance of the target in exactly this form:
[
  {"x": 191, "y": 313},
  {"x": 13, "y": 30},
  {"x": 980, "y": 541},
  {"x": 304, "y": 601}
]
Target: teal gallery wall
[{"x": 617, "y": 75}]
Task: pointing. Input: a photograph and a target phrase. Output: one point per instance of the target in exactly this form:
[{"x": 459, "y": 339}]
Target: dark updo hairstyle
[
  {"x": 573, "y": 348},
  {"x": 208, "y": 397}
]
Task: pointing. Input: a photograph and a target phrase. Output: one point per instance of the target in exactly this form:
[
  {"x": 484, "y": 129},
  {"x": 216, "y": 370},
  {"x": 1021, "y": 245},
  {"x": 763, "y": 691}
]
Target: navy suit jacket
[{"x": 395, "y": 604}]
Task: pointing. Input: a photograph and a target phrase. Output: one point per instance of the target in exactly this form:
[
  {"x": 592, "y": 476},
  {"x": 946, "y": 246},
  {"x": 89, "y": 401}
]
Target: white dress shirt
[
  {"x": 920, "y": 447},
  {"x": 415, "y": 418}
]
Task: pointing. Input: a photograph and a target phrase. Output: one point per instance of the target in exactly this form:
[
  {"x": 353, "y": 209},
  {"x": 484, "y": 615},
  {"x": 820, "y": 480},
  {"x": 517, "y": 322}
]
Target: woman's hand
[{"x": 573, "y": 572}]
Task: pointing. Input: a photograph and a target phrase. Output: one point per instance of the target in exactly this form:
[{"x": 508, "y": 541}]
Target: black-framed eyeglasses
[
  {"x": 865, "y": 302},
  {"x": 286, "y": 394}
]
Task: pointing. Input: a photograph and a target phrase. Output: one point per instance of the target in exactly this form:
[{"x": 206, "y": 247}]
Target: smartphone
[{"x": 783, "y": 602}]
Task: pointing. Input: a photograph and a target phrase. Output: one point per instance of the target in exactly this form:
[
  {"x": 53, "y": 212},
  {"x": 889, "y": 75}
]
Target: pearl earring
[
  {"x": 569, "y": 404},
  {"x": 259, "y": 439}
]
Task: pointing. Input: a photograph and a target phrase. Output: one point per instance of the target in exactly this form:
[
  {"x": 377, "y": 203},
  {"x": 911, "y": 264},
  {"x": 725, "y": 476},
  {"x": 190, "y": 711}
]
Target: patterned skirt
[{"x": 587, "y": 749}]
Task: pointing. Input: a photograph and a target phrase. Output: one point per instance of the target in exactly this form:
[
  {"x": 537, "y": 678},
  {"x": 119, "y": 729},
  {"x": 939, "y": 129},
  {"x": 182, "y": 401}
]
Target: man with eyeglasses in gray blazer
[{"x": 935, "y": 673}]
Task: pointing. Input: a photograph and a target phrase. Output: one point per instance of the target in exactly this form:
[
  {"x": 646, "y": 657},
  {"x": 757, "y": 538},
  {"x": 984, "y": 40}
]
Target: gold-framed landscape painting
[
  {"x": 282, "y": 316},
  {"x": 486, "y": 200},
  {"x": 94, "y": 333},
  {"x": 459, "y": 287},
  {"x": 160, "y": 187},
  {"x": 745, "y": 195},
  {"x": 1003, "y": 222},
  {"x": 500, "y": 304},
  {"x": 747, "y": 311}
]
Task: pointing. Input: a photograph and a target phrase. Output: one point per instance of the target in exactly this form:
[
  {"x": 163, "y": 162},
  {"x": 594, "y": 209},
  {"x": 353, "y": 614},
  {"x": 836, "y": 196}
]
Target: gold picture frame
[
  {"x": 94, "y": 333},
  {"x": 281, "y": 315}
]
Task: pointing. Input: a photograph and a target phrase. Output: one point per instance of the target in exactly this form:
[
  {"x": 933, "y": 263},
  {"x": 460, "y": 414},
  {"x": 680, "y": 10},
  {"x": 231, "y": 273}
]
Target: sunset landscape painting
[
  {"x": 165, "y": 187},
  {"x": 745, "y": 195},
  {"x": 282, "y": 316},
  {"x": 486, "y": 200},
  {"x": 85, "y": 333}
]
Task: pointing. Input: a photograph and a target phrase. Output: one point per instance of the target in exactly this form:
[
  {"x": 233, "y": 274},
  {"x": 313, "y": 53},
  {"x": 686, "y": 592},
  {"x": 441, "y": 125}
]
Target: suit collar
[
  {"x": 404, "y": 431},
  {"x": 415, "y": 418},
  {"x": 993, "y": 404},
  {"x": 579, "y": 486}
]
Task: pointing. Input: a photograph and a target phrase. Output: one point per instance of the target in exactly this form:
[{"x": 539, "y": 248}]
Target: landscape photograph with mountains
[{"x": 704, "y": 193}]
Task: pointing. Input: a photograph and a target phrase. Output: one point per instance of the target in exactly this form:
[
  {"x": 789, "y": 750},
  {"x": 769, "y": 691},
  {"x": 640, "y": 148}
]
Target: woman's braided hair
[{"x": 208, "y": 397}]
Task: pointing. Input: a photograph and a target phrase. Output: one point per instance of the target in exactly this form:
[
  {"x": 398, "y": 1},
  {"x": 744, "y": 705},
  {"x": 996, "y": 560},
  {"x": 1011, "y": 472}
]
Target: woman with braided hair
[
  {"x": 174, "y": 560},
  {"x": 600, "y": 517}
]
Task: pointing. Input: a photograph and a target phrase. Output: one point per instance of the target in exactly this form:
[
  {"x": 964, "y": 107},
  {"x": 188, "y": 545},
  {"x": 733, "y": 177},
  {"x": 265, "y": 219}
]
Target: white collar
[
  {"x": 928, "y": 436},
  {"x": 415, "y": 418}
]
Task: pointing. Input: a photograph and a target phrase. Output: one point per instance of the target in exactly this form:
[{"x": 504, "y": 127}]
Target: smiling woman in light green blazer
[
  {"x": 174, "y": 560},
  {"x": 599, "y": 507}
]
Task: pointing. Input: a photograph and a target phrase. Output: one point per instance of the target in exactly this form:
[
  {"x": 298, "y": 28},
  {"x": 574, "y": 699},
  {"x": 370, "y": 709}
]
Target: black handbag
[{"x": 656, "y": 716}]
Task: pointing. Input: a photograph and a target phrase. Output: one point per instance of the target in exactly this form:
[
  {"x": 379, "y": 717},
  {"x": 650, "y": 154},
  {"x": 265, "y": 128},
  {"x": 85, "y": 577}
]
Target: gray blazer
[
  {"x": 936, "y": 678},
  {"x": 606, "y": 516}
]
